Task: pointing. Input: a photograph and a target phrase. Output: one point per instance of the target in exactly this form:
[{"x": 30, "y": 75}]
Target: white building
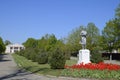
[{"x": 12, "y": 48}]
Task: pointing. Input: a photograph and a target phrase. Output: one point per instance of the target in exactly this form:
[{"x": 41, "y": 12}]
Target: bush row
[{"x": 56, "y": 58}]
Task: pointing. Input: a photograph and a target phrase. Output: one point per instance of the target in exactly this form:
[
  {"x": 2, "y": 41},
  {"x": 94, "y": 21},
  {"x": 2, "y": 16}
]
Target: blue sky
[{"x": 22, "y": 19}]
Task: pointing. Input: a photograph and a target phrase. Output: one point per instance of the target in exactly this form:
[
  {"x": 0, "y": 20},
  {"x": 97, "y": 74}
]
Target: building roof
[{"x": 15, "y": 45}]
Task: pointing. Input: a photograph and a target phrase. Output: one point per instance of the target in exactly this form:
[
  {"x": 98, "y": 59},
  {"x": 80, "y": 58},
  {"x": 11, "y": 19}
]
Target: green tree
[
  {"x": 117, "y": 24},
  {"x": 111, "y": 32},
  {"x": 42, "y": 57},
  {"x": 51, "y": 42},
  {"x": 64, "y": 48},
  {"x": 31, "y": 43},
  {"x": 117, "y": 12},
  {"x": 73, "y": 40},
  {"x": 2, "y": 46},
  {"x": 93, "y": 37},
  {"x": 7, "y": 42},
  {"x": 47, "y": 42},
  {"x": 93, "y": 43},
  {"x": 42, "y": 43}
]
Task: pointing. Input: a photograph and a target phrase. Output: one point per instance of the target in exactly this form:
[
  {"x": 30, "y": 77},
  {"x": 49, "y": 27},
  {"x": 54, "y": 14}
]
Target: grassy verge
[
  {"x": 81, "y": 73},
  {"x": 38, "y": 68},
  {"x": 92, "y": 74}
]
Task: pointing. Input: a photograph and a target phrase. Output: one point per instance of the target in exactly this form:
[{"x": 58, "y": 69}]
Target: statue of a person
[{"x": 83, "y": 39}]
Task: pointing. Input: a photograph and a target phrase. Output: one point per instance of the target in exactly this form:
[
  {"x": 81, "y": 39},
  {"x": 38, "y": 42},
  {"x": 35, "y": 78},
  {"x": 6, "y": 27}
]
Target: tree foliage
[
  {"x": 42, "y": 50},
  {"x": 7, "y": 42},
  {"x": 111, "y": 32},
  {"x": 73, "y": 40},
  {"x": 30, "y": 43},
  {"x": 2, "y": 46},
  {"x": 56, "y": 51},
  {"x": 117, "y": 12},
  {"x": 93, "y": 36},
  {"x": 42, "y": 57},
  {"x": 57, "y": 59}
]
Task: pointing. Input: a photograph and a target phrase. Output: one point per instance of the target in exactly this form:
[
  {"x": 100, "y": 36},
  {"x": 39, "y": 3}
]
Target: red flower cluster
[{"x": 93, "y": 66}]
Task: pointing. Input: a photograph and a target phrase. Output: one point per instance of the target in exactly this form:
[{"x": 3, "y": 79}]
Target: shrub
[
  {"x": 57, "y": 59},
  {"x": 42, "y": 57},
  {"x": 96, "y": 57},
  {"x": 28, "y": 53},
  {"x": 33, "y": 55}
]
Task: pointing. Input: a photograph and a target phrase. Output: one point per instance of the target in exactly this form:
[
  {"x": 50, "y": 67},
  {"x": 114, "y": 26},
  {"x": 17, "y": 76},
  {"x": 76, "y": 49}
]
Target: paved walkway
[
  {"x": 112, "y": 62},
  {"x": 10, "y": 71}
]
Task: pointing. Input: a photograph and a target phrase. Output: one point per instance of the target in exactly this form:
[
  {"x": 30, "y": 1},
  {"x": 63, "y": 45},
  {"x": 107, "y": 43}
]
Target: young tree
[
  {"x": 2, "y": 46},
  {"x": 31, "y": 43}
]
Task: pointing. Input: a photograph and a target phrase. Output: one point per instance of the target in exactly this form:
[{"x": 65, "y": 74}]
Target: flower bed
[{"x": 93, "y": 66}]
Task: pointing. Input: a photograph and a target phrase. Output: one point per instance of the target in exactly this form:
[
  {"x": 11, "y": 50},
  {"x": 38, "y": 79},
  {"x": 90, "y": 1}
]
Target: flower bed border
[{"x": 93, "y": 66}]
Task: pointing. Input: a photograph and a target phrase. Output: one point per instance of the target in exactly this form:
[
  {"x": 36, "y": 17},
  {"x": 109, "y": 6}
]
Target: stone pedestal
[{"x": 84, "y": 56}]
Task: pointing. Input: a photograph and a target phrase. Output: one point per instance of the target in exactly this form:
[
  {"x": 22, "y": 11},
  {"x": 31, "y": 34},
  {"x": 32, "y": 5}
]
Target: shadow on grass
[
  {"x": 22, "y": 72},
  {"x": 44, "y": 71}
]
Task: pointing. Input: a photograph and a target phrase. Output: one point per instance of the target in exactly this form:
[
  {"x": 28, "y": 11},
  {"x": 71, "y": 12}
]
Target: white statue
[
  {"x": 83, "y": 39},
  {"x": 84, "y": 54}
]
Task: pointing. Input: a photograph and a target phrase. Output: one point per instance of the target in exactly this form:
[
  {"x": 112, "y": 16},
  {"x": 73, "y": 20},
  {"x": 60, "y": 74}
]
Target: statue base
[{"x": 84, "y": 56}]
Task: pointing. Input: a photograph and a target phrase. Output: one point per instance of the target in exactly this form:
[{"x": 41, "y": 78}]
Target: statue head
[{"x": 83, "y": 33}]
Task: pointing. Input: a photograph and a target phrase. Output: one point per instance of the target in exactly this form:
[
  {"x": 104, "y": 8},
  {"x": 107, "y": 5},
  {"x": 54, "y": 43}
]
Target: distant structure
[{"x": 12, "y": 48}]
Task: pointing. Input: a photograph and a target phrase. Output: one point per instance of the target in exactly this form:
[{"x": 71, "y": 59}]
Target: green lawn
[
  {"x": 44, "y": 69},
  {"x": 39, "y": 68}
]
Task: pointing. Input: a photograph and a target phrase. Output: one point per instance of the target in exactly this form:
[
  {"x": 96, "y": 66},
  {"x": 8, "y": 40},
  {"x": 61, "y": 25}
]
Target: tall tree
[
  {"x": 2, "y": 46},
  {"x": 93, "y": 36},
  {"x": 51, "y": 42},
  {"x": 111, "y": 32},
  {"x": 7, "y": 42},
  {"x": 74, "y": 38},
  {"x": 31, "y": 43},
  {"x": 117, "y": 12}
]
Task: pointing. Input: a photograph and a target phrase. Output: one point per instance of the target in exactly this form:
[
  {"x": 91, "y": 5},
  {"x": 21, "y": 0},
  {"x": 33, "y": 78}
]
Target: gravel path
[
  {"x": 112, "y": 62},
  {"x": 10, "y": 71}
]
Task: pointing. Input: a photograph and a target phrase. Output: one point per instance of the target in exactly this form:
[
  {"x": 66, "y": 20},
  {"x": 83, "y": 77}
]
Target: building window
[
  {"x": 15, "y": 50},
  {"x": 15, "y": 47},
  {"x": 21, "y": 48},
  {"x": 11, "y": 47}
]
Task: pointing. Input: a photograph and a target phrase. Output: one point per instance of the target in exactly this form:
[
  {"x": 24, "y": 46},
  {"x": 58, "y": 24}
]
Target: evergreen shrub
[
  {"x": 96, "y": 57},
  {"x": 57, "y": 59},
  {"x": 42, "y": 57}
]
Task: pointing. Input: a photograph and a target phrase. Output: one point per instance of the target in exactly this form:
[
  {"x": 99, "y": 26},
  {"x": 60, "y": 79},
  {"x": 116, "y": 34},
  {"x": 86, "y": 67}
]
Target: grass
[
  {"x": 92, "y": 74},
  {"x": 71, "y": 62},
  {"x": 34, "y": 67},
  {"x": 45, "y": 69}
]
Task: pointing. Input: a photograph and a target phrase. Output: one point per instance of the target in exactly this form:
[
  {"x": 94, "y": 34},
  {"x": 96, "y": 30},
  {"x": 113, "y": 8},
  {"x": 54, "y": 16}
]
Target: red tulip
[{"x": 93, "y": 66}]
